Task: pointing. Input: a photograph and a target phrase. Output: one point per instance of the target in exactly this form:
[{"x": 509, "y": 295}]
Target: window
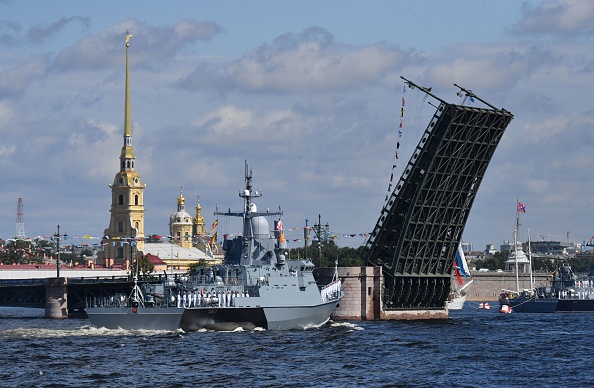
[
  {"x": 120, "y": 227},
  {"x": 120, "y": 199},
  {"x": 136, "y": 199}
]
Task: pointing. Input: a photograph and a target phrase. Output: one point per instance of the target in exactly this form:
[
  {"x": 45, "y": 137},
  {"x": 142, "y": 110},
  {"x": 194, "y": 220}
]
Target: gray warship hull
[
  {"x": 249, "y": 318},
  {"x": 136, "y": 318}
]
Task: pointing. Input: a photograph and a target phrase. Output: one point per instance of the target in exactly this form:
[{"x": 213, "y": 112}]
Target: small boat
[
  {"x": 458, "y": 293},
  {"x": 532, "y": 300},
  {"x": 257, "y": 286},
  {"x": 505, "y": 309},
  {"x": 526, "y": 300},
  {"x": 155, "y": 311},
  {"x": 484, "y": 305},
  {"x": 458, "y": 297}
]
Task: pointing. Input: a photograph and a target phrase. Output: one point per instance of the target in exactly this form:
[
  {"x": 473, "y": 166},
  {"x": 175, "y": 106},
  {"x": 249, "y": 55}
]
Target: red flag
[{"x": 458, "y": 275}]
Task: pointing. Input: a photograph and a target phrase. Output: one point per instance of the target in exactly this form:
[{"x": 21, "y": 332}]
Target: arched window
[
  {"x": 120, "y": 227},
  {"x": 136, "y": 199},
  {"x": 120, "y": 199},
  {"x": 128, "y": 164}
]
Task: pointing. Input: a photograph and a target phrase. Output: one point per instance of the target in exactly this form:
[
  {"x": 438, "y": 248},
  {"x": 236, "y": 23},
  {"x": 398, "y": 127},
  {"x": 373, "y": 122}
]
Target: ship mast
[{"x": 248, "y": 213}]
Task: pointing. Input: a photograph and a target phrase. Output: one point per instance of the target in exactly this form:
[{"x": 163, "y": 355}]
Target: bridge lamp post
[{"x": 57, "y": 236}]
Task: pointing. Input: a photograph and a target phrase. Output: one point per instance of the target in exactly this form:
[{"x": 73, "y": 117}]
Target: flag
[
  {"x": 279, "y": 225},
  {"x": 457, "y": 272},
  {"x": 214, "y": 225},
  {"x": 213, "y": 238},
  {"x": 461, "y": 262},
  {"x": 521, "y": 207},
  {"x": 282, "y": 237}
]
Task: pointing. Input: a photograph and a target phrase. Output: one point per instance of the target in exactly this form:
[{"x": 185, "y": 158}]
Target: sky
[{"x": 308, "y": 92}]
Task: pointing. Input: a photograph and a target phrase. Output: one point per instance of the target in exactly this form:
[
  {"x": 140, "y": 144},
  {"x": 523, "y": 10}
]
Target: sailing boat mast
[
  {"x": 516, "y": 250},
  {"x": 530, "y": 261}
]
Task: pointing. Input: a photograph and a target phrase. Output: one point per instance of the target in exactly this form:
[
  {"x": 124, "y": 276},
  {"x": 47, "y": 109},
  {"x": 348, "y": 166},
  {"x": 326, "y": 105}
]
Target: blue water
[{"x": 473, "y": 348}]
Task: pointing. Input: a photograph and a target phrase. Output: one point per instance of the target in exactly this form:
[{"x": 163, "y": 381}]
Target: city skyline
[{"x": 310, "y": 99}]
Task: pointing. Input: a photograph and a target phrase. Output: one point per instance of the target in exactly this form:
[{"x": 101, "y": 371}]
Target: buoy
[{"x": 504, "y": 308}]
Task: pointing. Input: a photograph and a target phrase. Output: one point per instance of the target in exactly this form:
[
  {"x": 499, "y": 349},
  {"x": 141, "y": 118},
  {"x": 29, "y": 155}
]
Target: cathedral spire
[
  {"x": 127, "y": 114},
  {"x": 127, "y": 157},
  {"x": 127, "y": 197}
]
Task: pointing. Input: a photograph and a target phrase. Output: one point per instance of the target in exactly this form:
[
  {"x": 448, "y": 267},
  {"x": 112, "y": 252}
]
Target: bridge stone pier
[
  {"x": 56, "y": 301},
  {"x": 363, "y": 297}
]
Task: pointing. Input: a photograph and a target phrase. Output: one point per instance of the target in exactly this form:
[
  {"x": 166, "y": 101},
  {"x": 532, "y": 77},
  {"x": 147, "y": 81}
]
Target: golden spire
[
  {"x": 127, "y": 155},
  {"x": 127, "y": 115}
]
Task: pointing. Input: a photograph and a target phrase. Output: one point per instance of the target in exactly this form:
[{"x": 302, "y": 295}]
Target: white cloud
[{"x": 306, "y": 62}]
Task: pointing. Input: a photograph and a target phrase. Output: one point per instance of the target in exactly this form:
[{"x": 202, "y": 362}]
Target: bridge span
[{"x": 421, "y": 224}]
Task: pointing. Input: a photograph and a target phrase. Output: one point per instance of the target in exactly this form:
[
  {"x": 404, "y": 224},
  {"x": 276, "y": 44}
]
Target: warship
[
  {"x": 155, "y": 308},
  {"x": 257, "y": 286}
]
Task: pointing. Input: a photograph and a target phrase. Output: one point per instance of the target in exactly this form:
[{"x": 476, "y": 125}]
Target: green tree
[
  {"x": 88, "y": 252},
  {"x": 145, "y": 267},
  {"x": 19, "y": 251},
  {"x": 493, "y": 263},
  {"x": 194, "y": 267},
  {"x": 325, "y": 254}
]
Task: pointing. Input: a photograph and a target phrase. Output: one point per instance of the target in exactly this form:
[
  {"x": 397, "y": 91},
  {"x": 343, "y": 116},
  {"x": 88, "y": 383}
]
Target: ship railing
[
  {"x": 331, "y": 291},
  {"x": 209, "y": 300},
  {"x": 122, "y": 301}
]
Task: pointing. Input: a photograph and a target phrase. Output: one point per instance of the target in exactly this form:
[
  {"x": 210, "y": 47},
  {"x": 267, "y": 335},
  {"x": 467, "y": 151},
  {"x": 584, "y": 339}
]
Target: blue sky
[{"x": 308, "y": 92}]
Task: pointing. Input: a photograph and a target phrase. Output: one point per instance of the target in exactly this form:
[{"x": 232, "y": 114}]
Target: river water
[{"x": 474, "y": 348}]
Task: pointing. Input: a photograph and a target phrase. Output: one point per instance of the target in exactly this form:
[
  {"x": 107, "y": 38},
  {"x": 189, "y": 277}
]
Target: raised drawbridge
[{"x": 421, "y": 224}]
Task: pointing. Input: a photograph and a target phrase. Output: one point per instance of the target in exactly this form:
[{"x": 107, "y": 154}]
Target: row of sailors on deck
[{"x": 210, "y": 298}]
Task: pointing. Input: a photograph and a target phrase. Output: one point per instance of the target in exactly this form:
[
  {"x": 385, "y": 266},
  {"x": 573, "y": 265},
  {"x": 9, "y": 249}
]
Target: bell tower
[
  {"x": 125, "y": 234},
  {"x": 198, "y": 225},
  {"x": 180, "y": 224}
]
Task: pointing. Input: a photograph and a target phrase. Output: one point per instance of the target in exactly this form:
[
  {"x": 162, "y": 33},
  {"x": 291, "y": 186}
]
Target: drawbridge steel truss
[{"x": 420, "y": 226}]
